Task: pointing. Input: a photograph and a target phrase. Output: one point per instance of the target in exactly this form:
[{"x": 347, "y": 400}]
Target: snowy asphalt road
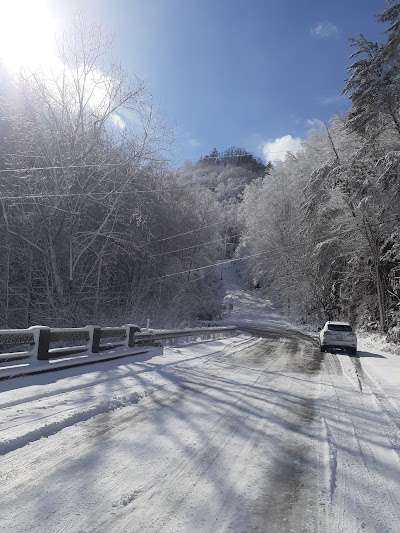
[
  {"x": 245, "y": 434},
  {"x": 260, "y": 433},
  {"x": 214, "y": 442}
]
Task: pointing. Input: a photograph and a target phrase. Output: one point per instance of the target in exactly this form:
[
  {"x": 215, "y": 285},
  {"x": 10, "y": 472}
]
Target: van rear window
[{"x": 339, "y": 327}]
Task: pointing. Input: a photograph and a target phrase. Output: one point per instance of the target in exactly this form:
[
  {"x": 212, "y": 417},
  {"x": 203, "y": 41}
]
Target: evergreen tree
[{"x": 374, "y": 86}]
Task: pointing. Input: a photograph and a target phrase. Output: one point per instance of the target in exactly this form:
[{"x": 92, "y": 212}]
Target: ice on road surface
[{"x": 256, "y": 432}]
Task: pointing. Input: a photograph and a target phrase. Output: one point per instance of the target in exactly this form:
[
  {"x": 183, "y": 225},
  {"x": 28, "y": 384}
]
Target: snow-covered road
[{"x": 251, "y": 433}]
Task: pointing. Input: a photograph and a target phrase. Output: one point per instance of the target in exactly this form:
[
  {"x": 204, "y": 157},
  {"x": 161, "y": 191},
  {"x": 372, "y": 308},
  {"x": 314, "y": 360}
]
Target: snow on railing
[
  {"x": 38, "y": 342},
  {"x": 190, "y": 334}
]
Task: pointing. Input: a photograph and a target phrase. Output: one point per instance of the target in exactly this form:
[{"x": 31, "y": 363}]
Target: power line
[
  {"x": 83, "y": 165},
  {"x": 230, "y": 261},
  {"x": 188, "y": 248},
  {"x": 185, "y": 233},
  {"x": 94, "y": 165},
  {"x": 204, "y": 158},
  {"x": 102, "y": 194},
  {"x": 396, "y": 219},
  {"x": 248, "y": 256},
  {"x": 219, "y": 263}
]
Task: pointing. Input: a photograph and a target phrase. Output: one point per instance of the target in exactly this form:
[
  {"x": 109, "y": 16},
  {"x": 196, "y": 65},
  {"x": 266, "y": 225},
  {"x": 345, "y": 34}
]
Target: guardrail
[
  {"x": 189, "y": 334},
  {"x": 37, "y": 342}
]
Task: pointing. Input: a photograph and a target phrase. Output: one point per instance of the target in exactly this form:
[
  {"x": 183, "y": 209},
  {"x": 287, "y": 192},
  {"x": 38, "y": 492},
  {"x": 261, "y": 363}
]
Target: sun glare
[{"x": 26, "y": 34}]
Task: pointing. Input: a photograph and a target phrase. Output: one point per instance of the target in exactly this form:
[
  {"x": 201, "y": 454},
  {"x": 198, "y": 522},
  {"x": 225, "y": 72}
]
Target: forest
[
  {"x": 323, "y": 226},
  {"x": 96, "y": 227}
]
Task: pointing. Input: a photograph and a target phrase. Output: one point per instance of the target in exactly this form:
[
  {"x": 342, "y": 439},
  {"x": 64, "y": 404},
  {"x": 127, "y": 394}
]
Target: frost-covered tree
[
  {"x": 316, "y": 226},
  {"x": 86, "y": 201},
  {"x": 226, "y": 174},
  {"x": 344, "y": 194},
  {"x": 373, "y": 89}
]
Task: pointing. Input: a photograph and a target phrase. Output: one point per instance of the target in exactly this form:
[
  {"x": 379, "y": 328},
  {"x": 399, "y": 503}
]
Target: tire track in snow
[
  {"x": 145, "y": 493},
  {"x": 388, "y": 409},
  {"x": 192, "y": 470},
  {"x": 98, "y": 381},
  {"x": 100, "y": 427},
  {"x": 332, "y": 455},
  {"x": 34, "y": 457},
  {"x": 12, "y": 444},
  {"x": 365, "y": 457},
  {"x": 51, "y": 428}
]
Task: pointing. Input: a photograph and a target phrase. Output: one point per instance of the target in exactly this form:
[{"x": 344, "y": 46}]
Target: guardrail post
[
  {"x": 96, "y": 339},
  {"x": 131, "y": 329},
  {"x": 93, "y": 344},
  {"x": 33, "y": 348},
  {"x": 41, "y": 335}
]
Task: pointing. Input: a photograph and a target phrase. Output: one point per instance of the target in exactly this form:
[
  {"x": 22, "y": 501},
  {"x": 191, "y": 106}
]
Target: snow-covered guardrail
[
  {"x": 37, "y": 342},
  {"x": 188, "y": 334}
]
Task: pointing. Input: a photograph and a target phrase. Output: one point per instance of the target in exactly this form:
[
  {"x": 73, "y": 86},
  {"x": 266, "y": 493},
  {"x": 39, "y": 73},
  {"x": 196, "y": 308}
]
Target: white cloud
[
  {"x": 335, "y": 99},
  {"x": 279, "y": 148},
  {"x": 315, "y": 123},
  {"x": 324, "y": 29},
  {"x": 194, "y": 142}
]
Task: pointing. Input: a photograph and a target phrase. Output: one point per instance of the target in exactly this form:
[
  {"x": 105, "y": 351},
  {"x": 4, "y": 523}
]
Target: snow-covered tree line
[
  {"x": 226, "y": 174},
  {"x": 94, "y": 227},
  {"x": 324, "y": 226}
]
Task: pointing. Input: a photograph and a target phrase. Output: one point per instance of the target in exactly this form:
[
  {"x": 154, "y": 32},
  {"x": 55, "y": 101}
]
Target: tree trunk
[
  {"x": 7, "y": 309},
  {"x": 96, "y": 304},
  {"x": 29, "y": 291},
  {"x": 380, "y": 293},
  {"x": 57, "y": 280}
]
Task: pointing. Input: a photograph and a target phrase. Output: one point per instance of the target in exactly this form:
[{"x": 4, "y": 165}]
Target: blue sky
[{"x": 235, "y": 72}]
